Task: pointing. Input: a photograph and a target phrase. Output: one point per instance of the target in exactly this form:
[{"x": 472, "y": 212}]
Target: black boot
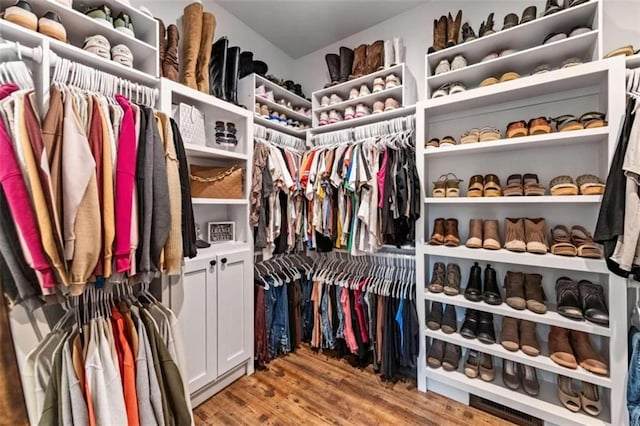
[
  {"x": 333, "y": 63},
  {"x": 486, "y": 330},
  {"x": 218, "y": 69},
  {"x": 491, "y": 294},
  {"x": 297, "y": 89},
  {"x": 346, "y": 63},
  {"x": 290, "y": 86},
  {"x": 473, "y": 291},
  {"x": 246, "y": 64},
  {"x": 233, "y": 72}
]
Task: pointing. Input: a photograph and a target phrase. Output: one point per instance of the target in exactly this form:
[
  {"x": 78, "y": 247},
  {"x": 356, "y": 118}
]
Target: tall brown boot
[
  {"x": 170, "y": 67},
  {"x": 439, "y": 34},
  {"x": 192, "y": 25},
  {"x": 453, "y": 29},
  {"x": 375, "y": 56},
  {"x": 202, "y": 67},
  {"x": 359, "y": 62},
  {"x": 162, "y": 42}
]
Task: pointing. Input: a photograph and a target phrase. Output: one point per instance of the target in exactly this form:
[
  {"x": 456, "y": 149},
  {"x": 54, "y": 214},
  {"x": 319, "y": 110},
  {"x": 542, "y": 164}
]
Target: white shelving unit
[
  {"x": 527, "y": 40},
  {"x": 594, "y": 86},
  {"x": 405, "y": 94},
  {"x": 247, "y": 97}
]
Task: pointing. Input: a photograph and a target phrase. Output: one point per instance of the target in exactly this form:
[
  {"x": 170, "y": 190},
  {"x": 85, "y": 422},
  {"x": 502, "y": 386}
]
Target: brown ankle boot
[
  {"x": 560, "y": 350},
  {"x": 529, "y": 338},
  {"x": 359, "y": 62},
  {"x": 440, "y": 36},
  {"x": 514, "y": 234},
  {"x": 509, "y": 337},
  {"x": 475, "y": 233},
  {"x": 534, "y": 293},
  {"x": 451, "y": 237},
  {"x": 535, "y": 233},
  {"x": 192, "y": 27},
  {"x": 162, "y": 42},
  {"x": 437, "y": 236},
  {"x": 587, "y": 357},
  {"x": 514, "y": 285},
  {"x": 453, "y": 29},
  {"x": 204, "y": 56},
  {"x": 375, "y": 56},
  {"x": 170, "y": 64},
  {"x": 491, "y": 235}
]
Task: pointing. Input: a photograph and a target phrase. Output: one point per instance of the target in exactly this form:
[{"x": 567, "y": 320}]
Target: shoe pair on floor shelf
[
  {"x": 379, "y": 84},
  {"x": 450, "y": 283},
  {"x": 262, "y": 92},
  {"x": 264, "y": 112},
  {"x": 361, "y": 110},
  {"x": 570, "y": 348},
  {"x": 588, "y": 399}
]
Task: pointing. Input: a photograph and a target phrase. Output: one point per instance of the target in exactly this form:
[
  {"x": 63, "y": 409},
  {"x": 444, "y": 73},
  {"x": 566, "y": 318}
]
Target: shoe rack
[
  {"x": 404, "y": 93},
  {"x": 80, "y": 26},
  {"x": 247, "y": 96},
  {"x": 593, "y": 86},
  {"x": 526, "y": 40}
]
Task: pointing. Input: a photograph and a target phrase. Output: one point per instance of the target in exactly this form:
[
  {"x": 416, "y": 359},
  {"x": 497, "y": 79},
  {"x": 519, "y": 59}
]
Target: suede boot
[
  {"x": 451, "y": 237},
  {"x": 434, "y": 319},
  {"x": 560, "y": 350},
  {"x": 375, "y": 57},
  {"x": 436, "y": 353},
  {"x": 439, "y": 34},
  {"x": 359, "y": 62},
  {"x": 333, "y": 63},
  {"x": 586, "y": 355},
  {"x": 514, "y": 284},
  {"x": 473, "y": 292},
  {"x": 453, "y": 29},
  {"x": 491, "y": 293},
  {"x": 232, "y": 73},
  {"x": 529, "y": 338},
  {"x": 218, "y": 69},
  {"x": 452, "y": 355},
  {"x": 346, "y": 63},
  {"x": 452, "y": 286},
  {"x": 437, "y": 278},
  {"x": 510, "y": 338},
  {"x": 437, "y": 237},
  {"x": 204, "y": 56},
  {"x": 449, "y": 320},
  {"x": 534, "y": 293},
  {"x": 170, "y": 67},
  {"x": 162, "y": 43},
  {"x": 192, "y": 25},
  {"x": 475, "y": 233},
  {"x": 491, "y": 235}
]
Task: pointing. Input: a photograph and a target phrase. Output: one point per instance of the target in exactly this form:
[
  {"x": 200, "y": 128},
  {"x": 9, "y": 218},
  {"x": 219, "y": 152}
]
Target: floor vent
[{"x": 506, "y": 413}]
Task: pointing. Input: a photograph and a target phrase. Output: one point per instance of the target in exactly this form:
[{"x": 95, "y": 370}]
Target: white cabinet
[{"x": 214, "y": 304}]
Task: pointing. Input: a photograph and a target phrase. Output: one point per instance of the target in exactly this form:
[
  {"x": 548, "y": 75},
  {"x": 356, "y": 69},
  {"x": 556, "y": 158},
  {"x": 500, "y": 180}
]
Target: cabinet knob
[
  {"x": 213, "y": 263},
  {"x": 223, "y": 260}
]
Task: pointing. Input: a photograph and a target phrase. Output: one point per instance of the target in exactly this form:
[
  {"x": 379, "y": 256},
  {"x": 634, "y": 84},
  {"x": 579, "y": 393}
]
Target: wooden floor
[{"x": 307, "y": 388}]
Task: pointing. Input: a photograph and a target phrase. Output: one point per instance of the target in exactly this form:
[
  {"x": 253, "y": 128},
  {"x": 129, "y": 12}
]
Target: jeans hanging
[
  {"x": 633, "y": 382},
  {"x": 279, "y": 341},
  {"x": 327, "y": 331}
]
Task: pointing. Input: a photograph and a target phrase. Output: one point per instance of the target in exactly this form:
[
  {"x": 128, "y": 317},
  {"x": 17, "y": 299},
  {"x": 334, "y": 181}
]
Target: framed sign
[{"x": 221, "y": 232}]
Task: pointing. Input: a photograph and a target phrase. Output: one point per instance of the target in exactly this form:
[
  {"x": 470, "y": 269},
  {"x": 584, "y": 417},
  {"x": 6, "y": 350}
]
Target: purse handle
[{"x": 216, "y": 178}]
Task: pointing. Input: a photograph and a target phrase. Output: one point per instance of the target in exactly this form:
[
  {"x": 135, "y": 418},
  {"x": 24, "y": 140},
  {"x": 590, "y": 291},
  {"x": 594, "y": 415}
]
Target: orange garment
[{"x": 128, "y": 368}]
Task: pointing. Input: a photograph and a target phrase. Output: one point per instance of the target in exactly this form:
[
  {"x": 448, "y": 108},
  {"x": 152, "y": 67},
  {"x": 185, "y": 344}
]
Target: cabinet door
[
  {"x": 193, "y": 299},
  {"x": 235, "y": 310}
]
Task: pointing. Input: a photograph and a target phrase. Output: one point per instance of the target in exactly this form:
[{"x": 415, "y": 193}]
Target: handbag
[
  {"x": 191, "y": 123},
  {"x": 217, "y": 182}
]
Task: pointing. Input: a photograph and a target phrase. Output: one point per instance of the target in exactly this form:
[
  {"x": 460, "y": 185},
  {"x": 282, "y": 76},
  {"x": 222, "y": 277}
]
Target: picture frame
[{"x": 221, "y": 232}]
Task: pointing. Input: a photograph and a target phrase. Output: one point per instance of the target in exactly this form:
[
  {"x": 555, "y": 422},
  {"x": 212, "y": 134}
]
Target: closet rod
[{"x": 33, "y": 53}]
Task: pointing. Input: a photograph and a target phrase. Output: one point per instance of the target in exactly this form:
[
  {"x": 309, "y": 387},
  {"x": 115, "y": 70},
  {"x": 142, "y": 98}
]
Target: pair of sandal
[
  {"x": 446, "y": 186},
  {"x": 535, "y": 126},
  {"x": 587, "y": 185},
  {"x": 519, "y": 185},
  {"x": 487, "y": 186},
  {"x": 577, "y": 242},
  {"x": 485, "y": 134},
  {"x": 590, "y": 120},
  {"x": 588, "y": 399}
]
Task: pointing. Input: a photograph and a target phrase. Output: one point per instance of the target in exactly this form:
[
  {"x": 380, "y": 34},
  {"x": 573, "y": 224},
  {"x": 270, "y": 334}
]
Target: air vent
[{"x": 506, "y": 413}]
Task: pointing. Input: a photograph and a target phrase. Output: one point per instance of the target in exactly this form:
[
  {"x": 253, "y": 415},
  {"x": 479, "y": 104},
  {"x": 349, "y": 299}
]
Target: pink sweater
[
  {"x": 17, "y": 196},
  {"x": 125, "y": 180}
]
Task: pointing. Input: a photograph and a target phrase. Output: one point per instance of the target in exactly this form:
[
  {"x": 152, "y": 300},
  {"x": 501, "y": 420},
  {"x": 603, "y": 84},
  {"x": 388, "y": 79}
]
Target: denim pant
[
  {"x": 633, "y": 383},
  {"x": 279, "y": 341},
  {"x": 340, "y": 331},
  {"x": 327, "y": 331},
  {"x": 269, "y": 303},
  {"x": 307, "y": 309}
]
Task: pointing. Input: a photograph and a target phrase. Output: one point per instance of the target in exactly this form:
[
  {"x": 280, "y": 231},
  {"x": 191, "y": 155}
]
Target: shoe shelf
[
  {"x": 281, "y": 92},
  {"x": 220, "y": 201},
  {"x": 548, "y": 260},
  {"x": 537, "y": 141},
  {"x": 522, "y": 62},
  {"x": 394, "y": 92},
  {"x": 546, "y": 405},
  {"x": 520, "y": 37},
  {"x": 305, "y": 119},
  {"x": 367, "y": 119},
  {"x": 80, "y": 26},
  {"x": 545, "y": 199},
  {"x": 205, "y": 152},
  {"x": 551, "y": 317},
  {"x": 271, "y": 124}
]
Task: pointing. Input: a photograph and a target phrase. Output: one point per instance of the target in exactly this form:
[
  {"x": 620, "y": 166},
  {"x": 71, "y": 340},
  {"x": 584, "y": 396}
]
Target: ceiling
[{"x": 303, "y": 26}]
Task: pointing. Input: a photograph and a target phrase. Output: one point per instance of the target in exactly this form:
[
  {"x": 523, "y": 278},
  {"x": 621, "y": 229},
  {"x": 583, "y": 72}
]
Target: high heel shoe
[
  {"x": 590, "y": 399},
  {"x": 567, "y": 395}
]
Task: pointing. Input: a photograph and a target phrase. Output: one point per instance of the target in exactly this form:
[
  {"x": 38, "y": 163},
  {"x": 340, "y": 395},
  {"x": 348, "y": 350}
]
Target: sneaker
[
  {"x": 274, "y": 116},
  {"x": 378, "y": 85},
  {"x": 264, "y": 111},
  {"x": 283, "y": 118},
  {"x": 334, "y": 116},
  {"x": 443, "y": 67},
  {"x": 378, "y": 107},
  {"x": 364, "y": 91},
  {"x": 390, "y": 104},
  {"x": 325, "y": 101},
  {"x": 50, "y": 25},
  {"x": 391, "y": 81},
  {"x": 349, "y": 113},
  {"x": 458, "y": 63},
  {"x": 324, "y": 118},
  {"x": 353, "y": 94},
  {"x": 102, "y": 14},
  {"x": 260, "y": 91},
  {"x": 335, "y": 99},
  {"x": 362, "y": 110},
  {"x": 122, "y": 54},
  {"x": 124, "y": 25},
  {"x": 22, "y": 14},
  {"x": 98, "y": 45}
]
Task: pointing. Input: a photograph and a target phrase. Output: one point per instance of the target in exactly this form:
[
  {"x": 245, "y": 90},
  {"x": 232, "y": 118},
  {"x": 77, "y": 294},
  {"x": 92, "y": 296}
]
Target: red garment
[
  {"x": 349, "y": 336},
  {"x": 305, "y": 169},
  {"x": 364, "y": 335},
  {"x": 125, "y": 179},
  {"x": 382, "y": 174},
  {"x": 19, "y": 202},
  {"x": 95, "y": 144}
]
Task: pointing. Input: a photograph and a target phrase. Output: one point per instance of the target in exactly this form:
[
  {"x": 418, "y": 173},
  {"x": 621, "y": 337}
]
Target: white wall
[
  {"x": 415, "y": 26},
  {"x": 239, "y": 34}
]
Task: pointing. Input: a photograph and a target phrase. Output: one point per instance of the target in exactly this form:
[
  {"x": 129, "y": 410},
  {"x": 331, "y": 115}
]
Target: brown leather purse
[{"x": 217, "y": 182}]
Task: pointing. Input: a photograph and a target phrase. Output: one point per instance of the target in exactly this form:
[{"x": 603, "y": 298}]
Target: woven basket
[{"x": 217, "y": 182}]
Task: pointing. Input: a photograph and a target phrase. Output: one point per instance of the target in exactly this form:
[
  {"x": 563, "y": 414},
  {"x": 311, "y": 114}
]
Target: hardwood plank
[{"x": 312, "y": 389}]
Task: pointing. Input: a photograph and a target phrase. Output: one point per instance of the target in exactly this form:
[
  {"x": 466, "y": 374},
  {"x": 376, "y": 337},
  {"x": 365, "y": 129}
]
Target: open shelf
[
  {"x": 219, "y": 201},
  {"x": 287, "y": 111},
  {"x": 199, "y": 151},
  {"x": 546, "y": 405},
  {"x": 367, "y": 119},
  {"x": 280, "y": 92},
  {"x": 369, "y": 100},
  {"x": 551, "y": 317},
  {"x": 220, "y": 248},
  {"x": 280, "y": 127},
  {"x": 505, "y": 256},
  {"x": 545, "y": 199},
  {"x": 343, "y": 89},
  {"x": 523, "y": 62},
  {"x": 521, "y": 37}
]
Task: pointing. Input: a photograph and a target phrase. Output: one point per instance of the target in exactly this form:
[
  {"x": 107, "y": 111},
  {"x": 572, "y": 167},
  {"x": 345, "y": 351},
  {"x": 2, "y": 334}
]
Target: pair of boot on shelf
[
  {"x": 446, "y": 31},
  {"x": 582, "y": 300},
  {"x": 168, "y": 50},
  {"x": 363, "y": 60},
  {"x": 570, "y": 348}
]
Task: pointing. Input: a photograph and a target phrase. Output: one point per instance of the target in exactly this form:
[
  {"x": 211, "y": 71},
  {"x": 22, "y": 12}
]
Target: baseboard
[
  {"x": 448, "y": 391},
  {"x": 203, "y": 394}
]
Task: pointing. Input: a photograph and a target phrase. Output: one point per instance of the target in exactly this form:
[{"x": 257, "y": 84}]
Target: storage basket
[{"x": 217, "y": 182}]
